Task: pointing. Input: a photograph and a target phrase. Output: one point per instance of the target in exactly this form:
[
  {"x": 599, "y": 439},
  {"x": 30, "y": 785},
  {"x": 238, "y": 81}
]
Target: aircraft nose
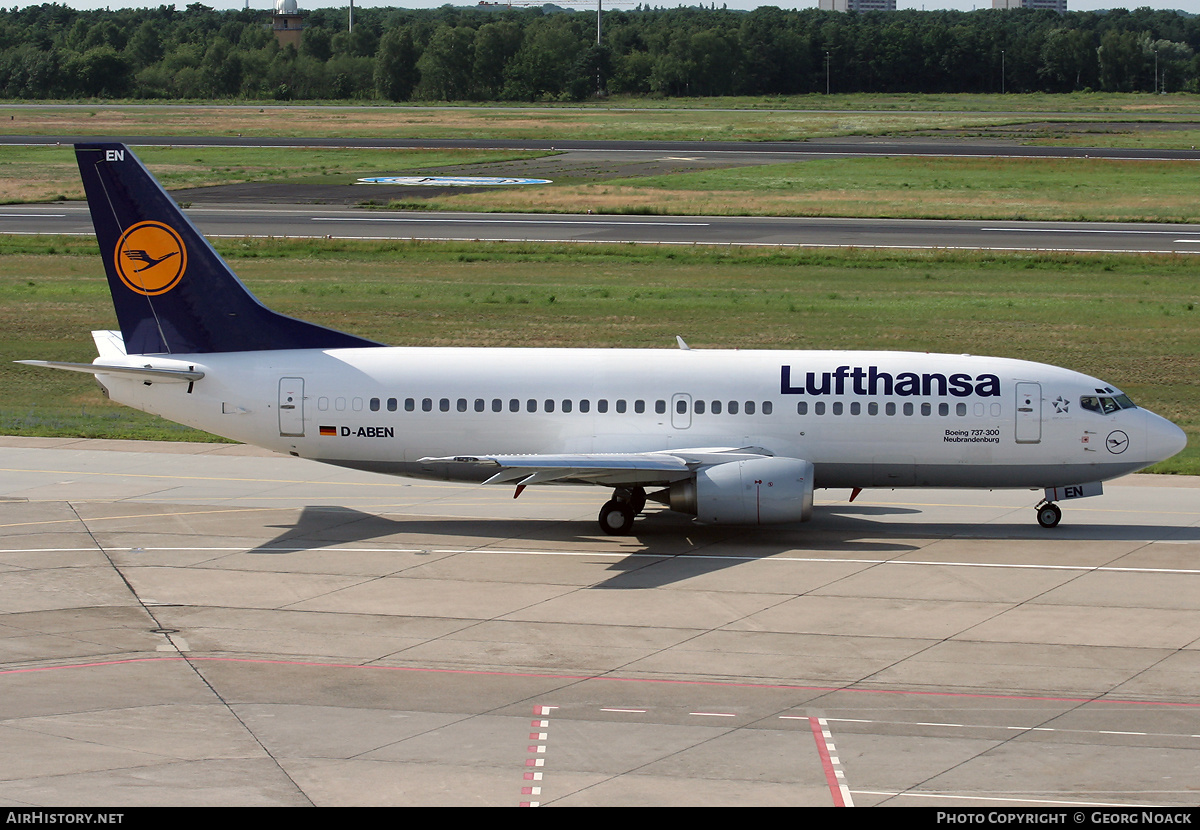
[{"x": 1163, "y": 438}]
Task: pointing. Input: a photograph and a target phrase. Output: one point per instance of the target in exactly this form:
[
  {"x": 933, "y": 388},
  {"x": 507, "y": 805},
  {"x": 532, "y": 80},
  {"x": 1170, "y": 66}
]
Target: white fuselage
[{"x": 864, "y": 419}]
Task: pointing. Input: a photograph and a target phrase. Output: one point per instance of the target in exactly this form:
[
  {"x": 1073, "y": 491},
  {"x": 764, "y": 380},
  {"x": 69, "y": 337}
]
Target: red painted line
[
  {"x": 613, "y": 678},
  {"x": 536, "y": 750},
  {"x": 835, "y": 789}
]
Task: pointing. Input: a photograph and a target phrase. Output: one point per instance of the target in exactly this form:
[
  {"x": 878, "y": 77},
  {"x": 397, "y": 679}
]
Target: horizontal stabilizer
[{"x": 144, "y": 372}]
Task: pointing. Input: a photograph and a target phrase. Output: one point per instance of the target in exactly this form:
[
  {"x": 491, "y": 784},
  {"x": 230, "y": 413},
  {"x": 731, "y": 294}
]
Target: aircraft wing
[{"x": 608, "y": 469}]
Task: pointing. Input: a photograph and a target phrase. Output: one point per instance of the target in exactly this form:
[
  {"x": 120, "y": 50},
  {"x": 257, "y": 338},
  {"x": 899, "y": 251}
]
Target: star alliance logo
[{"x": 1061, "y": 405}]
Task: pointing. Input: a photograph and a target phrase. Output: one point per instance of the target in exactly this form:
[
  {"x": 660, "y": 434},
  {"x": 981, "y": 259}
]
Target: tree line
[{"x": 496, "y": 53}]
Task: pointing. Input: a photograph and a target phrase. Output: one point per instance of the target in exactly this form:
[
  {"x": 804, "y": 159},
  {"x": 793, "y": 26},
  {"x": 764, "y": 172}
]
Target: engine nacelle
[{"x": 758, "y": 491}]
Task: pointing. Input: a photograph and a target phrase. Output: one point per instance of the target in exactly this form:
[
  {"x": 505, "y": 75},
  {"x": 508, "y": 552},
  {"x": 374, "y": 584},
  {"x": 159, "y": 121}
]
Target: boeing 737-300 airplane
[{"x": 730, "y": 437}]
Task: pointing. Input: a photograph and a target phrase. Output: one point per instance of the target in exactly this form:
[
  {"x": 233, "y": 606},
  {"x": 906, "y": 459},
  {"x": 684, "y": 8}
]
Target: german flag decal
[{"x": 329, "y": 430}]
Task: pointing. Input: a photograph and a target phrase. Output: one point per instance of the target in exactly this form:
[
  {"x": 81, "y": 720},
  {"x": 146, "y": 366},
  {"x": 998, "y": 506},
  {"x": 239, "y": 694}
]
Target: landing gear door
[
  {"x": 291, "y": 406},
  {"x": 1029, "y": 413}
]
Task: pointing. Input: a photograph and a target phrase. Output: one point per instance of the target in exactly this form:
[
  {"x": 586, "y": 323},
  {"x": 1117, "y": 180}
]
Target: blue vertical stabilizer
[{"x": 173, "y": 293}]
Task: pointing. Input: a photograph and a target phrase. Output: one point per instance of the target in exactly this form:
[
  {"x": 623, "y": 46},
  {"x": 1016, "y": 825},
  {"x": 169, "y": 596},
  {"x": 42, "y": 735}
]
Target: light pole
[
  {"x": 826, "y": 73},
  {"x": 1002, "y": 89},
  {"x": 1155, "y": 71}
]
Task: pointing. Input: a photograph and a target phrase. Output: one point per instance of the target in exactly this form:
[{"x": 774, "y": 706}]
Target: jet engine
[{"x": 751, "y": 492}]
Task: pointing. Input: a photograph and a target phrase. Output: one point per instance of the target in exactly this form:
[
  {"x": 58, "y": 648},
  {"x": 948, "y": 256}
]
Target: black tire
[
  {"x": 1049, "y": 515},
  {"x": 616, "y": 518}
]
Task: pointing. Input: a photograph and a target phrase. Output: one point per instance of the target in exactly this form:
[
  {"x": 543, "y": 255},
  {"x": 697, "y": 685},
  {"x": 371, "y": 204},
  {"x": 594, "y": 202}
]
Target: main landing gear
[
  {"x": 1048, "y": 514},
  {"x": 617, "y": 514}
]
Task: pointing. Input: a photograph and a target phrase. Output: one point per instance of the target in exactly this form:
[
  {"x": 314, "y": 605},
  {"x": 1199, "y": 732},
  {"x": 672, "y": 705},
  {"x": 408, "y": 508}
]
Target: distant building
[
  {"x": 286, "y": 22},
  {"x": 857, "y": 5},
  {"x": 1059, "y": 6}
]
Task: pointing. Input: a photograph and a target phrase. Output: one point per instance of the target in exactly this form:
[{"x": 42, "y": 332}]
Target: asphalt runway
[
  {"x": 305, "y": 210},
  {"x": 213, "y": 624},
  {"x": 337, "y": 221}
]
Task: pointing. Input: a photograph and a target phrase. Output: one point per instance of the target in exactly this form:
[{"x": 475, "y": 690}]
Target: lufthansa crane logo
[
  {"x": 1117, "y": 442},
  {"x": 150, "y": 258}
]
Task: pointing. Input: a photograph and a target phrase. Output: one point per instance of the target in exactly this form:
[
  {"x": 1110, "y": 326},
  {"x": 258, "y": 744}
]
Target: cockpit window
[{"x": 1105, "y": 405}]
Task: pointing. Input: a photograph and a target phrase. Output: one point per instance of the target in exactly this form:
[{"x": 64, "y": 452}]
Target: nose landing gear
[{"x": 1048, "y": 514}]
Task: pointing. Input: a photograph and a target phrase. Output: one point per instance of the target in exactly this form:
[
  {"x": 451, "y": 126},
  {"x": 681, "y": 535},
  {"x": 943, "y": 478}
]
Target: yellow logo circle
[{"x": 150, "y": 258}]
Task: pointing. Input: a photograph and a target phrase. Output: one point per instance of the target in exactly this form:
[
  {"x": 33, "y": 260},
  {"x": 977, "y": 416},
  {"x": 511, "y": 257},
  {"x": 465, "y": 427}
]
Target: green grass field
[
  {"x": 40, "y": 174},
  {"x": 1130, "y": 320},
  {"x": 616, "y": 118},
  {"x": 898, "y": 188},
  {"x": 1096, "y": 190}
]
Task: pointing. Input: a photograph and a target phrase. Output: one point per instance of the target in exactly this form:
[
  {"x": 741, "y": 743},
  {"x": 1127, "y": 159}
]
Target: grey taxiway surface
[
  {"x": 343, "y": 222},
  {"x": 212, "y": 624},
  {"x": 307, "y": 210}
]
